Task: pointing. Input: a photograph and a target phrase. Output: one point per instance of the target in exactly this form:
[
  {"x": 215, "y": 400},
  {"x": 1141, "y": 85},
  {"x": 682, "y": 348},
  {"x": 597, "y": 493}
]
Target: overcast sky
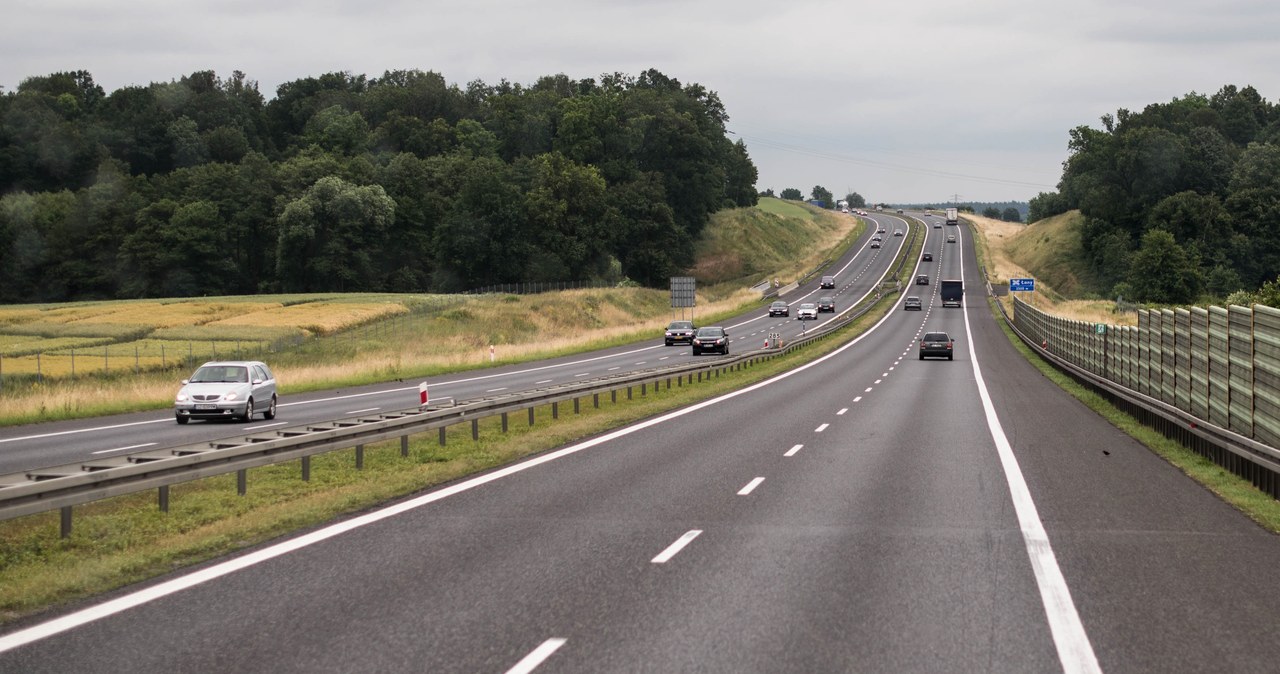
[{"x": 900, "y": 101}]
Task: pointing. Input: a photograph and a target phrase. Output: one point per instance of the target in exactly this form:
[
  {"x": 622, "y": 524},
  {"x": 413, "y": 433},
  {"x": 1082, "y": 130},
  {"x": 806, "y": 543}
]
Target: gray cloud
[{"x": 906, "y": 101}]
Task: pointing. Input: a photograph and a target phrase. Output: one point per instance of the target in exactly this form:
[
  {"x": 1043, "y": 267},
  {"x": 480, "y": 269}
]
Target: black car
[
  {"x": 951, "y": 238},
  {"x": 875, "y": 244},
  {"x": 912, "y": 303},
  {"x": 828, "y": 282},
  {"x": 679, "y": 331},
  {"x": 922, "y": 280},
  {"x": 927, "y": 257},
  {"x": 779, "y": 308},
  {"x": 711, "y": 338},
  {"x": 936, "y": 344},
  {"x": 827, "y": 304}
]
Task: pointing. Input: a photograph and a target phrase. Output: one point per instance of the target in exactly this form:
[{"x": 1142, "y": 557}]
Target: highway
[
  {"x": 24, "y": 448},
  {"x": 868, "y": 511}
]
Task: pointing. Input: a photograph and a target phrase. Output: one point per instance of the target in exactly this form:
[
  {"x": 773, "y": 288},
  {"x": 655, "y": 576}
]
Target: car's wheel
[
  {"x": 667, "y": 343},
  {"x": 248, "y": 410},
  {"x": 949, "y": 357},
  {"x": 922, "y": 356},
  {"x": 271, "y": 410},
  {"x": 182, "y": 420}
]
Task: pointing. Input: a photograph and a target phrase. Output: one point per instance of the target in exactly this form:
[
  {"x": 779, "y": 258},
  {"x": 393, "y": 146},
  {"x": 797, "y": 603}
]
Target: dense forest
[
  {"x": 403, "y": 183},
  {"x": 1181, "y": 200}
]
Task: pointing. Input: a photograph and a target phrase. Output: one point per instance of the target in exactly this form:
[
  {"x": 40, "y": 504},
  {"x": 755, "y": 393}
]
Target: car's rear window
[
  {"x": 682, "y": 325},
  {"x": 936, "y": 337}
]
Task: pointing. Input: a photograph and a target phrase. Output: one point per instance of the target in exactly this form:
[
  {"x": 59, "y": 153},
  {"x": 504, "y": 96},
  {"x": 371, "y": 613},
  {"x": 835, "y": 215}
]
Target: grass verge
[
  {"x": 125, "y": 540},
  {"x": 1241, "y": 494}
]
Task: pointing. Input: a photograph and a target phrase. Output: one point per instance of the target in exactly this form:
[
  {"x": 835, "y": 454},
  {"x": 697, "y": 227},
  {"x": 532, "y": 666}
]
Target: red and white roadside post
[
  {"x": 490, "y": 353},
  {"x": 422, "y": 394}
]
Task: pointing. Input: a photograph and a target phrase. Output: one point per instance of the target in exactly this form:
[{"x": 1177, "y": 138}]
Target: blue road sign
[{"x": 1018, "y": 285}]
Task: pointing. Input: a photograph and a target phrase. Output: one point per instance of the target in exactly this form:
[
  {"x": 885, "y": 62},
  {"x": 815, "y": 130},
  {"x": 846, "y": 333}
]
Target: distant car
[
  {"x": 922, "y": 280},
  {"x": 679, "y": 331},
  {"x": 880, "y": 231},
  {"x": 912, "y": 303},
  {"x": 779, "y": 308},
  {"x": 233, "y": 389},
  {"x": 808, "y": 310},
  {"x": 936, "y": 344},
  {"x": 897, "y": 232},
  {"x": 937, "y": 225},
  {"x": 827, "y": 304},
  {"x": 875, "y": 244},
  {"x": 877, "y": 238},
  {"x": 711, "y": 338},
  {"x": 828, "y": 282},
  {"x": 951, "y": 238},
  {"x": 927, "y": 257}
]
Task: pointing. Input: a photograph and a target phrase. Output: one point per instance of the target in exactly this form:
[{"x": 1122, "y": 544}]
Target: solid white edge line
[
  {"x": 1074, "y": 650},
  {"x": 531, "y": 661},
  {"x": 671, "y": 551},
  {"x": 84, "y": 616},
  {"x": 750, "y": 487}
]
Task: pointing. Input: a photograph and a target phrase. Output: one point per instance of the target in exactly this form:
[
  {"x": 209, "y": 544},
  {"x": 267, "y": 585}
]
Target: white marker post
[{"x": 490, "y": 353}]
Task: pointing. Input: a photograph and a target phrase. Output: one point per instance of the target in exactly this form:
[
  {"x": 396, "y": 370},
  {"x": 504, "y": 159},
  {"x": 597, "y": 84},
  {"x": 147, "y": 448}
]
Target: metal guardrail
[{"x": 62, "y": 487}]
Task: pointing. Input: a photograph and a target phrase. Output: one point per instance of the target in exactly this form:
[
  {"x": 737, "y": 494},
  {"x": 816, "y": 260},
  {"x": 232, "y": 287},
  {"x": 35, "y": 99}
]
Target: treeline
[
  {"x": 1181, "y": 200},
  {"x": 403, "y": 183}
]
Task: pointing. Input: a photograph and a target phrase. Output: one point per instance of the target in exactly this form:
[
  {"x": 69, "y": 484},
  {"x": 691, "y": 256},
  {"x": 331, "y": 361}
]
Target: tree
[
  {"x": 768, "y": 193},
  {"x": 791, "y": 194},
  {"x": 991, "y": 212},
  {"x": 1163, "y": 271},
  {"x": 1046, "y": 205},
  {"x": 328, "y": 237},
  {"x": 855, "y": 200},
  {"x": 1011, "y": 214},
  {"x": 823, "y": 195}
]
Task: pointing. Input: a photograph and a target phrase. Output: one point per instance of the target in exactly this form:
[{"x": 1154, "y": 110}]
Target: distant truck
[
  {"x": 952, "y": 217},
  {"x": 952, "y": 291}
]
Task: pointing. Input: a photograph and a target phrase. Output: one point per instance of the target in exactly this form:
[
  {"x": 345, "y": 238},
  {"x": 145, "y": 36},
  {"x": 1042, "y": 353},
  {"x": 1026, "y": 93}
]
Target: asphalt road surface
[{"x": 866, "y": 512}]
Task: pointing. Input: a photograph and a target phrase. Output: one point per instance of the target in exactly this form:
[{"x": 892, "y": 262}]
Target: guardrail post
[
  {"x": 359, "y": 457},
  {"x": 643, "y": 392},
  {"x": 504, "y": 422},
  {"x": 555, "y": 410},
  {"x": 164, "y": 498},
  {"x": 530, "y": 416},
  {"x": 475, "y": 429},
  {"x": 442, "y": 436},
  {"x": 613, "y": 396},
  {"x": 242, "y": 481},
  {"x": 668, "y": 383},
  {"x": 65, "y": 523},
  {"x": 306, "y": 469},
  {"x": 576, "y": 409},
  {"x": 628, "y": 393},
  {"x": 404, "y": 445},
  {"x": 595, "y": 400}
]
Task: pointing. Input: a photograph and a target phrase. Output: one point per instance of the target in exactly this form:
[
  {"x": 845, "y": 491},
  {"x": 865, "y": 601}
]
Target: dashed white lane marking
[
  {"x": 531, "y": 661},
  {"x": 878, "y": 381},
  {"x": 262, "y": 426},
  {"x": 614, "y": 368},
  {"x": 821, "y": 428},
  {"x": 857, "y": 399},
  {"x": 368, "y": 409},
  {"x": 884, "y": 374},
  {"x": 121, "y": 449},
  {"x": 842, "y": 411},
  {"x": 750, "y": 486},
  {"x": 793, "y": 450},
  {"x": 868, "y": 390},
  {"x": 583, "y": 374},
  {"x": 544, "y": 381},
  {"x": 673, "y": 549},
  {"x": 495, "y": 390}
]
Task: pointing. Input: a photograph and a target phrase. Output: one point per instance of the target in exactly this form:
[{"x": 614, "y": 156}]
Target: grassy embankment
[
  {"x": 1049, "y": 250},
  {"x": 125, "y": 540},
  {"x": 346, "y": 340}
]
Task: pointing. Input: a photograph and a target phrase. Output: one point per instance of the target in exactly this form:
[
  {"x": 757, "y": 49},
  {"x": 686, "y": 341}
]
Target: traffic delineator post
[{"x": 422, "y": 394}]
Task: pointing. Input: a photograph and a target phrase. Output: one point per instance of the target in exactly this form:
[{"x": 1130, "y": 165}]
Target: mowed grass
[{"x": 124, "y": 540}]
